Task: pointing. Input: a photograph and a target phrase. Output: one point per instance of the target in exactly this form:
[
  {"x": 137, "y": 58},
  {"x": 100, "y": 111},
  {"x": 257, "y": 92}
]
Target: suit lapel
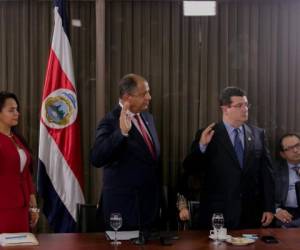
[
  {"x": 139, "y": 138},
  {"x": 135, "y": 133},
  {"x": 225, "y": 140},
  {"x": 151, "y": 129},
  {"x": 249, "y": 144},
  {"x": 285, "y": 179}
]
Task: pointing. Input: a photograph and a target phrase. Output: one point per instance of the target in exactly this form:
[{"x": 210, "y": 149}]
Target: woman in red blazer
[{"x": 18, "y": 207}]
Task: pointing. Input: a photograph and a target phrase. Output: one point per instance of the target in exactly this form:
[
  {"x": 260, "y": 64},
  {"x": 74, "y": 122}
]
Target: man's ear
[
  {"x": 223, "y": 108},
  {"x": 282, "y": 154},
  {"x": 126, "y": 97}
]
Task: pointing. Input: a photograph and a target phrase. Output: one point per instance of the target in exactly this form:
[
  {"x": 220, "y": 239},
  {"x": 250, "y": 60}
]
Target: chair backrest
[
  {"x": 168, "y": 219},
  {"x": 297, "y": 187},
  {"x": 165, "y": 209},
  {"x": 194, "y": 209},
  {"x": 88, "y": 219}
]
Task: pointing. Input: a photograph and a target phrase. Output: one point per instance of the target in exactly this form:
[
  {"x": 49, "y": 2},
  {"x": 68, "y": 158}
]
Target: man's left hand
[{"x": 267, "y": 218}]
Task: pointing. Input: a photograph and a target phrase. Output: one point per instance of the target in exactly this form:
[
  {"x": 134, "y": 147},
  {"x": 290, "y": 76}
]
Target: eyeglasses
[
  {"x": 241, "y": 105},
  {"x": 292, "y": 147},
  {"x": 141, "y": 94}
]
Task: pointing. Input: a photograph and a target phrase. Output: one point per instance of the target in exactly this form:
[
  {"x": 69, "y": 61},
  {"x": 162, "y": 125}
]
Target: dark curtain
[
  {"x": 25, "y": 40},
  {"x": 188, "y": 60}
]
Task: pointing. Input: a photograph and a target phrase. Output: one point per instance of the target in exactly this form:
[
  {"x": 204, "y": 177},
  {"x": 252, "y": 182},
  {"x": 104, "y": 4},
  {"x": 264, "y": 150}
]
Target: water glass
[
  {"x": 115, "y": 223},
  {"x": 217, "y": 221}
]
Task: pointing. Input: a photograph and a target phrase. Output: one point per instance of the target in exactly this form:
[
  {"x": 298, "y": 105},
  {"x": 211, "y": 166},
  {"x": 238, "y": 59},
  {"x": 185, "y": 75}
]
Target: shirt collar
[
  {"x": 231, "y": 129},
  {"x": 291, "y": 165}
]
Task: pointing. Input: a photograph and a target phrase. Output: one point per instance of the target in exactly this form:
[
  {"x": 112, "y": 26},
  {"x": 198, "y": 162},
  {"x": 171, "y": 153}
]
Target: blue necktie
[
  {"x": 297, "y": 169},
  {"x": 238, "y": 147}
]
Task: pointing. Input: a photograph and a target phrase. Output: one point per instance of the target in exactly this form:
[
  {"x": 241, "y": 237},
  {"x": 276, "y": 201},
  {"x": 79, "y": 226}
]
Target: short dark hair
[
  {"x": 4, "y": 95},
  {"x": 280, "y": 146},
  {"x": 228, "y": 92},
  {"x": 127, "y": 84}
]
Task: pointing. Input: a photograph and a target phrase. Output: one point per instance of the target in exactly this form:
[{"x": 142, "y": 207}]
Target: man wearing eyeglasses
[
  {"x": 286, "y": 176},
  {"x": 238, "y": 177}
]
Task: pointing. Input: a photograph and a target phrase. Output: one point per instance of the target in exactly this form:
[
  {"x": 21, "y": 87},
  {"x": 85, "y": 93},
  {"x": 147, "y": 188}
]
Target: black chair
[
  {"x": 88, "y": 219},
  {"x": 297, "y": 187},
  {"x": 168, "y": 215},
  {"x": 191, "y": 185},
  {"x": 194, "y": 222}
]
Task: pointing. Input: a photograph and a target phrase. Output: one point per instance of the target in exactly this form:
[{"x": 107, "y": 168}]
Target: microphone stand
[
  {"x": 166, "y": 235},
  {"x": 141, "y": 240}
]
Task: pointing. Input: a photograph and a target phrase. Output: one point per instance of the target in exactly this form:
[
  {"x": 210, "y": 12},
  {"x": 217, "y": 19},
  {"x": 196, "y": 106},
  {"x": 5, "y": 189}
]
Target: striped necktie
[{"x": 146, "y": 136}]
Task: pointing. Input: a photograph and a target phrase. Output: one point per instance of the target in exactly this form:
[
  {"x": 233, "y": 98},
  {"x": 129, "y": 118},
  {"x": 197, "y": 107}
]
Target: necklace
[
  {"x": 10, "y": 134},
  {"x": 12, "y": 138}
]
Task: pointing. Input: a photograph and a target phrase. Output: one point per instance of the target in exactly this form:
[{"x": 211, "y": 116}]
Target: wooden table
[{"x": 289, "y": 239}]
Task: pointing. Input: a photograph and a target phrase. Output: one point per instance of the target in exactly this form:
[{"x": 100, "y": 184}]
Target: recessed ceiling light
[{"x": 199, "y": 8}]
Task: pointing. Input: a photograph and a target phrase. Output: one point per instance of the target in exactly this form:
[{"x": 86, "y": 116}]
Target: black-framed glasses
[
  {"x": 292, "y": 147},
  {"x": 241, "y": 105}
]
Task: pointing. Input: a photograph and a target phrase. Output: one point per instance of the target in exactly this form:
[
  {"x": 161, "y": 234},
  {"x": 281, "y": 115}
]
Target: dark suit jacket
[
  {"x": 130, "y": 176},
  {"x": 281, "y": 183},
  {"x": 242, "y": 195},
  {"x": 281, "y": 192}
]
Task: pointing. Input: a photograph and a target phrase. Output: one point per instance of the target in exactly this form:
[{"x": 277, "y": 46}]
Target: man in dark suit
[
  {"x": 286, "y": 175},
  {"x": 127, "y": 147},
  {"x": 238, "y": 177}
]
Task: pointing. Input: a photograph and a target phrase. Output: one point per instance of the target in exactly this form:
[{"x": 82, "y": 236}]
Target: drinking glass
[
  {"x": 217, "y": 223},
  {"x": 115, "y": 223}
]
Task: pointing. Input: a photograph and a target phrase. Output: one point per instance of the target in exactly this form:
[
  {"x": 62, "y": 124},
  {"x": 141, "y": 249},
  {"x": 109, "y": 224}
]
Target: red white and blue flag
[{"x": 60, "y": 179}]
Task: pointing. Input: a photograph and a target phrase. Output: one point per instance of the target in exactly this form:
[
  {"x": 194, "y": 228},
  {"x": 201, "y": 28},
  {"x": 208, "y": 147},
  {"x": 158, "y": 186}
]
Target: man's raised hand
[
  {"x": 125, "y": 119},
  {"x": 207, "y": 134}
]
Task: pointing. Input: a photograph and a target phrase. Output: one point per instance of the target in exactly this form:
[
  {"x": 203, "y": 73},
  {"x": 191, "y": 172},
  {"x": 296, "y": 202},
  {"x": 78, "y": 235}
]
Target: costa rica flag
[{"x": 60, "y": 178}]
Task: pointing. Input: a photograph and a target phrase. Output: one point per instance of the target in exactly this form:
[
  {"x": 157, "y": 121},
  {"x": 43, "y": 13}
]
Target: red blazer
[{"x": 15, "y": 186}]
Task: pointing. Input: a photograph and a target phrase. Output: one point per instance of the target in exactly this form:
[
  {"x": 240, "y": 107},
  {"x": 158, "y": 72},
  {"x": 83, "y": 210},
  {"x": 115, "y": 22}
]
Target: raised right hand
[
  {"x": 125, "y": 119},
  {"x": 207, "y": 134}
]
